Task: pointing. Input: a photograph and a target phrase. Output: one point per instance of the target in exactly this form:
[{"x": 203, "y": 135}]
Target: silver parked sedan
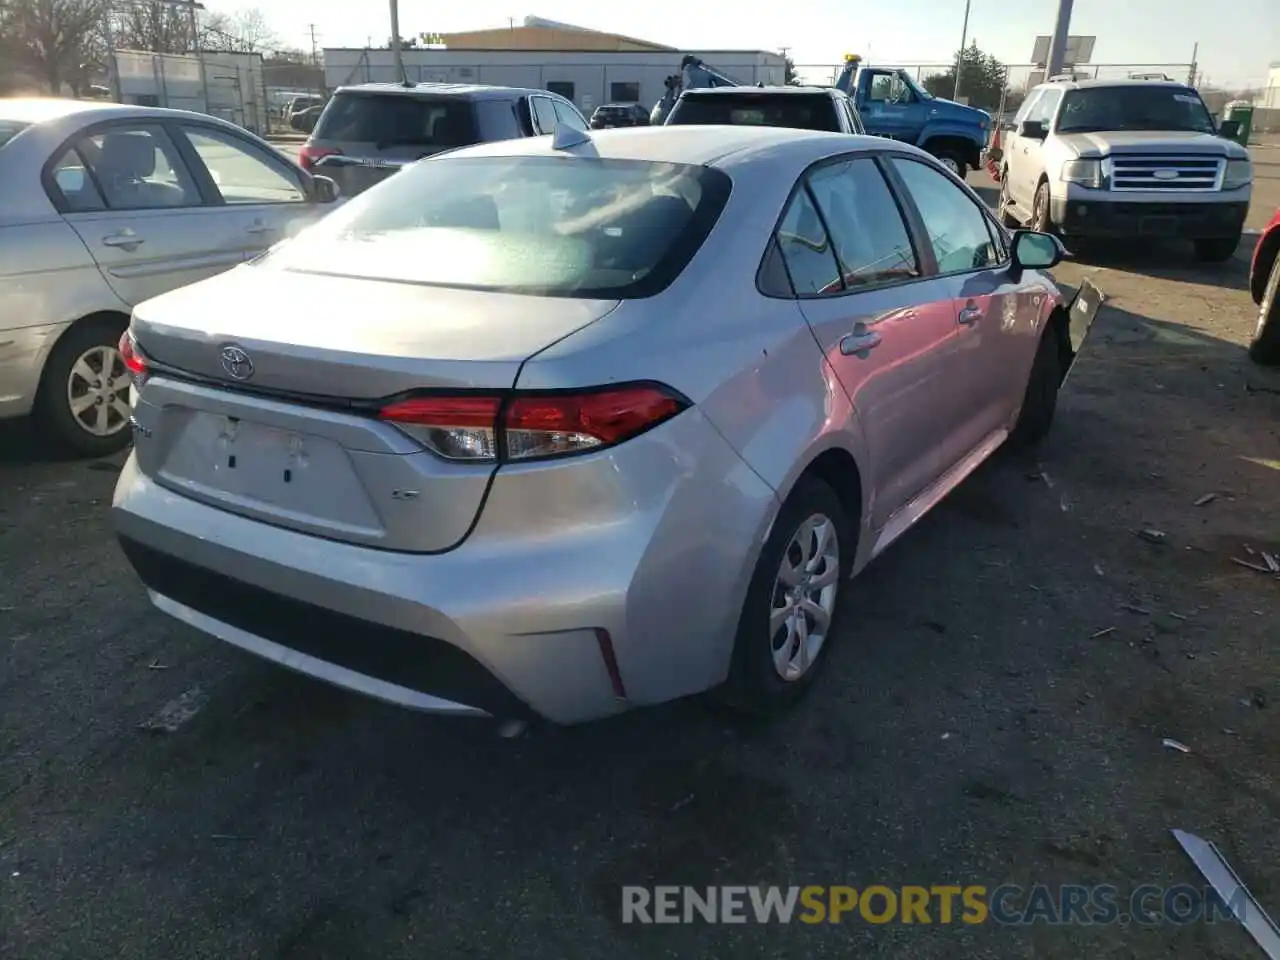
[
  {"x": 562, "y": 426},
  {"x": 101, "y": 207}
]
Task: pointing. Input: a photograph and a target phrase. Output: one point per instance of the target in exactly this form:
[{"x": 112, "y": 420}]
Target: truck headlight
[
  {"x": 1239, "y": 173},
  {"x": 1087, "y": 173}
]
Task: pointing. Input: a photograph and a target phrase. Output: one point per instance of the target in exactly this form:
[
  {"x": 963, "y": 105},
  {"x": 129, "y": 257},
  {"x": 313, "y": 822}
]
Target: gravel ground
[{"x": 993, "y": 713}]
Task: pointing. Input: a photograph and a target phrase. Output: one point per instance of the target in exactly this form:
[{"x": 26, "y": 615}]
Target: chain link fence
[{"x": 290, "y": 89}]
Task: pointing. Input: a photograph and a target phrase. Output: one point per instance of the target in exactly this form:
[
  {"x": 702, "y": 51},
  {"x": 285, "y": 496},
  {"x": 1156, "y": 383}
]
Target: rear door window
[
  {"x": 498, "y": 120},
  {"x": 74, "y": 186},
  {"x": 390, "y": 120},
  {"x": 799, "y": 110},
  {"x": 139, "y": 168},
  {"x": 806, "y": 248},
  {"x": 866, "y": 227}
]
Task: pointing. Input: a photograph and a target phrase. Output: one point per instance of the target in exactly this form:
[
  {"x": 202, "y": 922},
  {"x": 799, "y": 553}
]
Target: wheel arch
[
  {"x": 116, "y": 318},
  {"x": 1263, "y": 260},
  {"x": 955, "y": 142},
  {"x": 838, "y": 468}
]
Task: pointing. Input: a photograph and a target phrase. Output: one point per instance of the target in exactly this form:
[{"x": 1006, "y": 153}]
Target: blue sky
[{"x": 1237, "y": 40}]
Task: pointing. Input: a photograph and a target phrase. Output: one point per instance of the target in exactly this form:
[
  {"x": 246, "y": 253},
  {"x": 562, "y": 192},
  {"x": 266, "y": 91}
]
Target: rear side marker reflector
[{"x": 531, "y": 426}]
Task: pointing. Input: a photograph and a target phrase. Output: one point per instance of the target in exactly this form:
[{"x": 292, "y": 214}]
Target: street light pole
[
  {"x": 964, "y": 36},
  {"x": 1058, "y": 45}
]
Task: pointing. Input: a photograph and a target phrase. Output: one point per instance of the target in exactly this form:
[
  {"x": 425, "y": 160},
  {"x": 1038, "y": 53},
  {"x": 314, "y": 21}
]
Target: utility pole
[
  {"x": 315, "y": 58},
  {"x": 964, "y": 35},
  {"x": 1058, "y": 45},
  {"x": 1191, "y": 74}
]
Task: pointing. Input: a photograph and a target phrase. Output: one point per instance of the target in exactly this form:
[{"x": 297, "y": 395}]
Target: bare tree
[
  {"x": 60, "y": 41},
  {"x": 244, "y": 31},
  {"x": 153, "y": 25}
]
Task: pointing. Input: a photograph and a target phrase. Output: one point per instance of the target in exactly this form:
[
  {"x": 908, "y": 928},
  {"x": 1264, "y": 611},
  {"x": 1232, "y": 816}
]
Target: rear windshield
[
  {"x": 392, "y": 119},
  {"x": 1091, "y": 109},
  {"x": 550, "y": 226},
  {"x": 10, "y": 129},
  {"x": 802, "y": 110}
]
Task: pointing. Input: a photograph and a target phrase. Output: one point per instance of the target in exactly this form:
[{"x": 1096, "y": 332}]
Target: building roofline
[{"x": 408, "y": 50}]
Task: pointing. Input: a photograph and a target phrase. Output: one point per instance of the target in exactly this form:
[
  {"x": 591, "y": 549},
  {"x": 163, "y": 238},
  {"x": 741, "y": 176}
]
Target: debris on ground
[
  {"x": 1171, "y": 744},
  {"x": 1256, "y": 566},
  {"x": 1134, "y": 608},
  {"x": 1102, "y": 633},
  {"x": 1207, "y": 499},
  {"x": 176, "y": 712},
  {"x": 1152, "y": 535},
  {"x": 1213, "y": 866}
]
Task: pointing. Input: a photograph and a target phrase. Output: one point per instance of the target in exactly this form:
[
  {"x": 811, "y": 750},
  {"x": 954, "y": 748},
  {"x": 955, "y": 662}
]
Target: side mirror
[
  {"x": 1033, "y": 130},
  {"x": 1036, "y": 251},
  {"x": 1229, "y": 129},
  {"x": 325, "y": 190}
]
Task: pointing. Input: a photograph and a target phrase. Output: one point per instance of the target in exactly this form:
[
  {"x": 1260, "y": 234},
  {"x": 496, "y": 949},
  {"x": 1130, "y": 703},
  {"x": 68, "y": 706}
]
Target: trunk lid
[{"x": 283, "y": 432}]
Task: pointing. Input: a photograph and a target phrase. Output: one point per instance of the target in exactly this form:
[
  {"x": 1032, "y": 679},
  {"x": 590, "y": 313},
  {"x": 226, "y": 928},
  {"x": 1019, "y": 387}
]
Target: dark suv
[
  {"x": 619, "y": 115},
  {"x": 370, "y": 131}
]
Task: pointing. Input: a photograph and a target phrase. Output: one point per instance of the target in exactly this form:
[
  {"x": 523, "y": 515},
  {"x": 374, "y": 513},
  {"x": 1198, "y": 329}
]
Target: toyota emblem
[{"x": 236, "y": 362}]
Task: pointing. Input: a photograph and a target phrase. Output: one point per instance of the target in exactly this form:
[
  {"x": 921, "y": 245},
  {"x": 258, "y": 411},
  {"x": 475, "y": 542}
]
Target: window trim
[
  {"x": 195, "y": 162},
  {"x": 919, "y": 240},
  {"x": 72, "y": 142},
  {"x": 918, "y": 219}
]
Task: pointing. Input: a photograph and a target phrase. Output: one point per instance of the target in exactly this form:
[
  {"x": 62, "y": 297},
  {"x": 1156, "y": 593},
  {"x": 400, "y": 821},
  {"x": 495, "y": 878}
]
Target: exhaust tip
[{"x": 512, "y": 729}]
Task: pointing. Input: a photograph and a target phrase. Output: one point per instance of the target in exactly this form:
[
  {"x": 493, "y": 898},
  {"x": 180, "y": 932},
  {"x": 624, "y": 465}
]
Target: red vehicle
[{"x": 1264, "y": 284}]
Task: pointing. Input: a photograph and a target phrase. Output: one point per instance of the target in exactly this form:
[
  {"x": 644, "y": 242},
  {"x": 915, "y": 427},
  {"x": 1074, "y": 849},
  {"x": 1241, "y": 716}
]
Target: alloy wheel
[
  {"x": 804, "y": 596},
  {"x": 98, "y": 392}
]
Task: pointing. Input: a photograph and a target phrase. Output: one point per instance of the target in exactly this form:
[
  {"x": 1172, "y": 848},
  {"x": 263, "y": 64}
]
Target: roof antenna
[{"x": 565, "y": 137}]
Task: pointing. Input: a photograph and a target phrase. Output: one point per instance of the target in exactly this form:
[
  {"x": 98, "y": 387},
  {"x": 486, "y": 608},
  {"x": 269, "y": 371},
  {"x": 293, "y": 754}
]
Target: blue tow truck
[{"x": 893, "y": 105}]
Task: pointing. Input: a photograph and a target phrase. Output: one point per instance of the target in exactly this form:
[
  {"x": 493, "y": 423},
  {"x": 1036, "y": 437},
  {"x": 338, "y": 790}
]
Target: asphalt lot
[{"x": 993, "y": 714}]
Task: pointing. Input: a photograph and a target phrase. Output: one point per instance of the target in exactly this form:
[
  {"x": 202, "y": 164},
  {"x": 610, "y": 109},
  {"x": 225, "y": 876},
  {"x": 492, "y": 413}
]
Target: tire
[
  {"x": 1002, "y": 205},
  {"x": 1040, "y": 211},
  {"x": 1264, "y": 348},
  {"x": 1217, "y": 249},
  {"x": 763, "y": 680},
  {"x": 93, "y": 344},
  {"x": 1040, "y": 401},
  {"x": 953, "y": 160}
]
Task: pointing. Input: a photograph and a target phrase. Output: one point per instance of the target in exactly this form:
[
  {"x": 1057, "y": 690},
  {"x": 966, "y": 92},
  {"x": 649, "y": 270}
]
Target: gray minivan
[{"x": 369, "y": 131}]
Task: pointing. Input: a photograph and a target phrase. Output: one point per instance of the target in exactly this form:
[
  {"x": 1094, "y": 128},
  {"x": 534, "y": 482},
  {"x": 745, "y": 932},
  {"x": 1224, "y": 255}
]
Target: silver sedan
[
  {"x": 102, "y": 207},
  {"x": 566, "y": 425}
]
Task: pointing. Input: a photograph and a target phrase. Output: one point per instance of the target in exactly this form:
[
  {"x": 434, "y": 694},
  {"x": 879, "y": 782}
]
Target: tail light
[
  {"x": 532, "y": 426},
  {"x": 309, "y": 156},
  {"x": 133, "y": 359}
]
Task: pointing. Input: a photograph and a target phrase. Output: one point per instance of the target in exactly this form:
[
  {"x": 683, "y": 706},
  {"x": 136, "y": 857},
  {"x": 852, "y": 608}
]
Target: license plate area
[
  {"x": 1155, "y": 226},
  {"x": 296, "y": 478}
]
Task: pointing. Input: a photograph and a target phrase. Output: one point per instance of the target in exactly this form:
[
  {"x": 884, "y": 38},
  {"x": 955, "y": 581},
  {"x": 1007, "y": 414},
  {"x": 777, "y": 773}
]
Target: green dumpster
[{"x": 1241, "y": 111}]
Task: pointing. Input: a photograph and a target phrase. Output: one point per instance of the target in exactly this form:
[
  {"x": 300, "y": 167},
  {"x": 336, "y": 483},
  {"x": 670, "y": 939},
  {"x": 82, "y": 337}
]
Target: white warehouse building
[{"x": 586, "y": 66}]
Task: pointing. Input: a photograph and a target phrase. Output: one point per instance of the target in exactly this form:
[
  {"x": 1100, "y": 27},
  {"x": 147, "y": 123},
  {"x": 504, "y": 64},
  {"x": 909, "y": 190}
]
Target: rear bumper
[
  {"x": 1190, "y": 221},
  {"x": 504, "y": 625}
]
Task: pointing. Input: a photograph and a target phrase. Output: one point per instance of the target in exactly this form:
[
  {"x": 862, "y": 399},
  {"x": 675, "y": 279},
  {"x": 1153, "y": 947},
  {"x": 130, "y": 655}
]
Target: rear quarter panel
[
  {"x": 48, "y": 280},
  {"x": 1264, "y": 256}
]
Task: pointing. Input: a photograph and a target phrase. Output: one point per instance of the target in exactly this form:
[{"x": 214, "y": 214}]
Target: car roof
[
  {"x": 465, "y": 91},
  {"x": 722, "y": 146},
  {"x": 1100, "y": 84},
  {"x": 790, "y": 89},
  {"x": 42, "y": 109}
]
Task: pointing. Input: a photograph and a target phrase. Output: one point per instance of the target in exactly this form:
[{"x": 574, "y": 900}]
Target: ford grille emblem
[
  {"x": 236, "y": 362},
  {"x": 1166, "y": 174}
]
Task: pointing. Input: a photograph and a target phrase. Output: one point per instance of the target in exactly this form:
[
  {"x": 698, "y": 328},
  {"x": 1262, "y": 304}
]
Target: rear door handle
[
  {"x": 860, "y": 342},
  {"x": 125, "y": 238},
  {"x": 971, "y": 314}
]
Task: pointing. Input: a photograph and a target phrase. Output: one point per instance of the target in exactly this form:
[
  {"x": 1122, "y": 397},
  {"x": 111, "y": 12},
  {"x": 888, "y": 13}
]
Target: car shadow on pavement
[
  {"x": 1168, "y": 260},
  {"x": 21, "y": 444}
]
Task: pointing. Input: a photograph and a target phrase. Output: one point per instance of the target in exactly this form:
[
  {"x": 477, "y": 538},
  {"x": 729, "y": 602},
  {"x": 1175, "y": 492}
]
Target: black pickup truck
[{"x": 806, "y": 108}]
